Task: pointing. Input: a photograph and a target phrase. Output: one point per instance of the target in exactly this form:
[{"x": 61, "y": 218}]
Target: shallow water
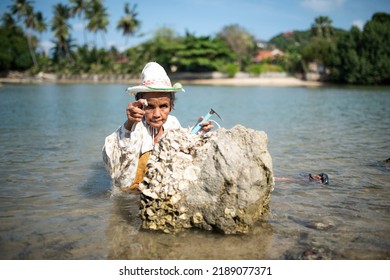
[{"x": 55, "y": 193}]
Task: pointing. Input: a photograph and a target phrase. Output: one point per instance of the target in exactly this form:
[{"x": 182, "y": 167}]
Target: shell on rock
[
  {"x": 163, "y": 182},
  {"x": 197, "y": 218}
]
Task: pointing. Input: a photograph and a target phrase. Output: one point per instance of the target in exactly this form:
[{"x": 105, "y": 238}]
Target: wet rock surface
[{"x": 220, "y": 181}]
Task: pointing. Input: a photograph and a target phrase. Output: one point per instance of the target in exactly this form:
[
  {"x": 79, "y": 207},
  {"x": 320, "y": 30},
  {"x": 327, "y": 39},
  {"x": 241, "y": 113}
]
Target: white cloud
[
  {"x": 358, "y": 23},
  {"x": 78, "y": 26},
  {"x": 322, "y": 5}
]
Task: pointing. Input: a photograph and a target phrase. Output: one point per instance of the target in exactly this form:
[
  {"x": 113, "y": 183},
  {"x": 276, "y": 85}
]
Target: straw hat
[{"x": 154, "y": 79}]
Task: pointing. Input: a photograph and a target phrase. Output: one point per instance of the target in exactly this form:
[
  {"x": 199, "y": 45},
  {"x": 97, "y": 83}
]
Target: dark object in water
[{"x": 323, "y": 177}]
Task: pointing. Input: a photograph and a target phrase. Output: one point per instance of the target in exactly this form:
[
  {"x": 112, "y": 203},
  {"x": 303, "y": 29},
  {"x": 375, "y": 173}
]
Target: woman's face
[{"x": 158, "y": 109}]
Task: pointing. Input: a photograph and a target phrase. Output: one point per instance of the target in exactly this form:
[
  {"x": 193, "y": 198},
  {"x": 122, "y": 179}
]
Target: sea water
[{"x": 55, "y": 199}]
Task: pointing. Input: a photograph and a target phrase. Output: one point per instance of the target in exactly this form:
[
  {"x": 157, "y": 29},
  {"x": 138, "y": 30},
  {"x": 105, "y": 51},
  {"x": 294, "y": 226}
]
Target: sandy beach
[{"x": 262, "y": 81}]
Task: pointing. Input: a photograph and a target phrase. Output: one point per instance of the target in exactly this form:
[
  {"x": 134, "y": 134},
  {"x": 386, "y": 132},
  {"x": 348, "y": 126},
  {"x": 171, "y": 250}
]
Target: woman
[{"x": 127, "y": 150}]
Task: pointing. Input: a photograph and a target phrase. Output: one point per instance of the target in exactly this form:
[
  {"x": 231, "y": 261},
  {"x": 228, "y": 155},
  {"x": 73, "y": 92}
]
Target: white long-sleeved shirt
[{"x": 123, "y": 148}]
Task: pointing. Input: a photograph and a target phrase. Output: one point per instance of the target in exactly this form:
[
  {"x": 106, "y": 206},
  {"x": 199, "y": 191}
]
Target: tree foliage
[
  {"x": 24, "y": 11},
  {"x": 79, "y": 7},
  {"x": 364, "y": 56},
  {"x": 14, "y": 52},
  {"x": 354, "y": 57},
  {"x": 201, "y": 54},
  {"x": 240, "y": 42},
  {"x": 129, "y": 23},
  {"x": 291, "y": 41},
  {"x": 322, "y": 27},
  {"x": 61, "y": 29},
  {"x": 97, "y": 16}
]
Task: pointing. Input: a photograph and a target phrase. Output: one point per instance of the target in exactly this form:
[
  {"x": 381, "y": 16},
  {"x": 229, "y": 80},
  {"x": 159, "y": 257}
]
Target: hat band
[
  {"x": 160, "y": 82},
  {"x": 162, "y": 89}
]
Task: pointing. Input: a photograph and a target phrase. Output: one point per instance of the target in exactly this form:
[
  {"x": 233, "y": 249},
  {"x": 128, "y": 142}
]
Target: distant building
[
  {"x": 317, "y": 72},
  {"x": 262, "y": 44},
  {"x": 271, "y": 55},
  {"x": 123, "y": 59}
]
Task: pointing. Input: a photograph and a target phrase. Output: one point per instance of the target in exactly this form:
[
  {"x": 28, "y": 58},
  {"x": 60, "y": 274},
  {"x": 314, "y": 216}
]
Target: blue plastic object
[{"x": 198, "y": 126}]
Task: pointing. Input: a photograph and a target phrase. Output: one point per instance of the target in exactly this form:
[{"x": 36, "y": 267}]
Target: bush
[
  {"x": 272, "y": 68},
  {"x": 255, "y": 69},
  {"x": 230, "y": 69},
  {"x": 23, "y": 61}
]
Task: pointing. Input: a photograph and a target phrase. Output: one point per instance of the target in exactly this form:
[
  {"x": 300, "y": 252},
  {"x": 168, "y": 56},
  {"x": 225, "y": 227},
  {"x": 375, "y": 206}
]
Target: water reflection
[{"x": 128, "y": 241}]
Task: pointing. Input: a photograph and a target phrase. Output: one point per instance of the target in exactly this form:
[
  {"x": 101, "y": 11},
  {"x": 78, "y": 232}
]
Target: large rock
[{"x": 221, "y": 181}]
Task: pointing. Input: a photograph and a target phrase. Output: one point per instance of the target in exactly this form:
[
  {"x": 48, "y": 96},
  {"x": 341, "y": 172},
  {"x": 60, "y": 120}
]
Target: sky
[{"x": 262, "y": 18}]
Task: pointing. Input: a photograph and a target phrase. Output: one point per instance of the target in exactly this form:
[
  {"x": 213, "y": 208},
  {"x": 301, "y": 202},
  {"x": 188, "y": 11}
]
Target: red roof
[{"x": 263, "y": 55}]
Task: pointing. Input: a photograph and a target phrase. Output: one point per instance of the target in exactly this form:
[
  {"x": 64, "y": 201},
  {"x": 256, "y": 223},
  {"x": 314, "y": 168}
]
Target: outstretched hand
[{"x": 135, "y": 112}]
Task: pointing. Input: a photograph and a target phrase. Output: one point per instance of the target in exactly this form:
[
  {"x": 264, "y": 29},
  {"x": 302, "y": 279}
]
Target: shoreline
[
  {"x": 252, "y": 81},
  {"x": 261, "y": 81}
]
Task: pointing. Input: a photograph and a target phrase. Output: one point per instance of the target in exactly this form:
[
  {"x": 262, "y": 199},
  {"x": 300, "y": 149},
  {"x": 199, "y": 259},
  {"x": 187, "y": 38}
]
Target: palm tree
[
  {"x": 24, "y": 11},
  {"x": 97, "y": 15},
  {"x": 20, "y": 7},
  {"x": 39, "y": 23},
  {"x": 8, "y": 21},
  {"x": 59, "y": 51},
  {"x": 60, "y": 27},
  {"x": 322, "y": 27},
  {"x": 79, "y": 8},
  {"x": 129, "y": 23}
]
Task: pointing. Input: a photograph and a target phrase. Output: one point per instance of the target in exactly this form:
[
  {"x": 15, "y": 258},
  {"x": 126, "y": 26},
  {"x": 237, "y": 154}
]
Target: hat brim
[{"x": 136, "y": 89}]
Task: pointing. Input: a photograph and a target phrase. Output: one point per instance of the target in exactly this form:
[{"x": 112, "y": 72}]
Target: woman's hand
[
  {"x": 135, "y": 112},
  {"x": 206, "y": 126}
]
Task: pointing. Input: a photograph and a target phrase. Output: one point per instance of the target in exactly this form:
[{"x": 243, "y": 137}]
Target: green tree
[
  {"x": 61, "y": 28},
  {"x": 319, "y": 50},
  {"x": 14, "y": 52},
  {"x": 346, "y": 65},
  {"x": 239, "y": 41},
  {"x": 322, "y": 46},
  {"x": 97, "y": 17},
  {"x": 175, "y": 53},
  {"x": 39, "y": 22},
  {"x": 129, "y": 23},
  {"x": 201, "y": 54},
  {"x": 24, "y": 11},
  {"x": 363, "y": 57},
  {"x": 292, "y": 61},
  {"x": 290, "y": 41},
  {"x": 8, "y": 21},
  {"x": 34, "y": 22},
  {"x": 164, "y": 45},
  {"x": 376, "y": 38},
  {"x": 322, "y": 27},
  {"x": 79, "y": 7}
]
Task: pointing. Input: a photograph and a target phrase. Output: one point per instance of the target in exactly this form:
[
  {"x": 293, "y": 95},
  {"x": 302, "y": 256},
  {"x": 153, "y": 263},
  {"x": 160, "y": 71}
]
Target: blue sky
[{"x": 262, "y": 18}]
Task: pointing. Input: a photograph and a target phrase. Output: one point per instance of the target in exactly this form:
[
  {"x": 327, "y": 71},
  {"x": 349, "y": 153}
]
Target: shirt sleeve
[{"x": 120, "y": 156}]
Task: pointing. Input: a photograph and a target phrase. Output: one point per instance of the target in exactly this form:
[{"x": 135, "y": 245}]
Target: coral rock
[{"x": 220, "y": 181}]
